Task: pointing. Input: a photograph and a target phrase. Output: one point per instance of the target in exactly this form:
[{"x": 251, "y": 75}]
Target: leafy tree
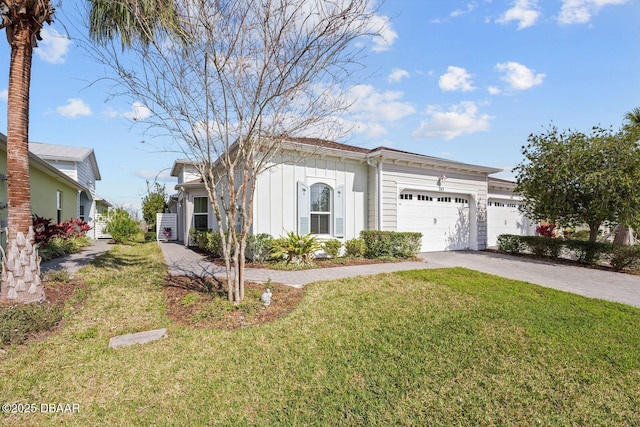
[
  {"x": 233, "y": 82},
  {"x": 121, "y": 226},
  {"x": 153, "y": 203},
  {"x": 572, "y": 178}
]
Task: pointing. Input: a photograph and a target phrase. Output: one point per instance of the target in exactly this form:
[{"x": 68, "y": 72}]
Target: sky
[{"x": 462, "y": 80}]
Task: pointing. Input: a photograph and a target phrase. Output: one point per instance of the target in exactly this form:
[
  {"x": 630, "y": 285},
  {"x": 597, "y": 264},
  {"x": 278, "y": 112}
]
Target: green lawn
[{"x": 431, "y": 347}]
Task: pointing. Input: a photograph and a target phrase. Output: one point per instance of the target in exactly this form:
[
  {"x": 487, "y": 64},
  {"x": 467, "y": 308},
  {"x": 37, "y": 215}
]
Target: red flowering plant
[
  {"x": 45, "y": 230},
  {"x": 546, "y": 230}
]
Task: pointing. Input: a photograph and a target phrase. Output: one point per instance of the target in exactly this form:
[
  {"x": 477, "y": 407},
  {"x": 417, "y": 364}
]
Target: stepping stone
[{"x": 137, "y": 338}]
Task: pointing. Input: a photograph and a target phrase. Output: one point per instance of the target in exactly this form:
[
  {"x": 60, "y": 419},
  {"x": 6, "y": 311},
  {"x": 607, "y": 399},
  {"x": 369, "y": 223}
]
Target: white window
[
  {"x": 201, "y": 213},
  {"x": 320, "y": 209},
  {"x": 59, "y": 206}
]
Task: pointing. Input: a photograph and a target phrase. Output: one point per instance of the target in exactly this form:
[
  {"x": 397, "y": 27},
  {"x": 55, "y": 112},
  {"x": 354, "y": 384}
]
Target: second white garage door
[
  {"x": 503, "y": 217},
  {"x": 443, "y": 219}
]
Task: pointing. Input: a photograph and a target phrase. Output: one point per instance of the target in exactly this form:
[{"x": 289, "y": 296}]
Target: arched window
[{"x": 320, "y": 209}]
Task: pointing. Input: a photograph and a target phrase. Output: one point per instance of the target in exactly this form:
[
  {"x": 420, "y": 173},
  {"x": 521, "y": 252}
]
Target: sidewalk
[
  {"x": 184, "y": 261},
  {"x": 74, "y": 262}
]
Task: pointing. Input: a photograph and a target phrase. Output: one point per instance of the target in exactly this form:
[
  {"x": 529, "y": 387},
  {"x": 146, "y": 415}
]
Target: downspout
[{"x": 378, "y": 190}]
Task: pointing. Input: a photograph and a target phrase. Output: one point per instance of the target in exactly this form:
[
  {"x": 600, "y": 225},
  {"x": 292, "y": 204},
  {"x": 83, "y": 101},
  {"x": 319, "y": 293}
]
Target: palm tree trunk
[{"x": 20, "y": 280}]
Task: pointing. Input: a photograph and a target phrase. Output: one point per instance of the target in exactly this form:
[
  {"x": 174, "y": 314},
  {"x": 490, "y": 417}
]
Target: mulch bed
[
  {"x": 188, "y": 298},
  {"x": 58, "y": 293}
]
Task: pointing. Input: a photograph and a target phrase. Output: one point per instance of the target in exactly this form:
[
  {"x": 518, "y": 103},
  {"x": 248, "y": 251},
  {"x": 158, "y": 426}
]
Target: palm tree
[
  {"x": 23, "y": 20},
  {"x": 632, "y": 120},
  {"x": 133, "y": 20},
  {"x": 624, "y": 234}
]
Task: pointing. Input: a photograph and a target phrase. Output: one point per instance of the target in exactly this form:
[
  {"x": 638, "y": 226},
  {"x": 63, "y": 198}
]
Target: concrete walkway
[
  {"x": 74, "y": 262},
  {"x": 183, "y": 261},
  {"x": 618, "y": 287}
]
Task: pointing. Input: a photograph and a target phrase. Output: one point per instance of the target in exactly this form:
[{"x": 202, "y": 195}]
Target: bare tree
[{"x": 247, "y": 76}]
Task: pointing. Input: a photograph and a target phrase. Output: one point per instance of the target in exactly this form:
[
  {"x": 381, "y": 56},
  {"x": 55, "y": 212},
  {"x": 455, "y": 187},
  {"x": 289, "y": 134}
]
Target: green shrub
[
  {"x": 542, "y": 245},
  {"x": 332, "y": 247},
  {"x": 59, "y": 246},
  {"x": 207, "y": 241},
  {"x": 391, "y": 244},
  {"x": 354, "y": 248},
  {"x": 586, "y": 252},
  {"x": 150, "y": 236},
  {"x": 121, "y": 226},
  {"x": 19, "y": 321},
  {"x": 295, "y": 247},
  {"x": 625, "y": 257},
  {"x": 580, "y": 235},
  {"x": 510, "y": 243},
  {"x": 259, "y": 247}
]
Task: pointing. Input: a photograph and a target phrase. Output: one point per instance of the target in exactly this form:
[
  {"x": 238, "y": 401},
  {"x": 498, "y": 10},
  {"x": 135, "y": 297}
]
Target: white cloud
[
  {"x": 369, "y": 104},
  {"x": 53, "y": 46},
  {"x": 397, "y": 74},
  {"x": 581, "y": 11},
  {"x": 456, "y": 78},
  {"x": 525, "y": 12},
  {"x": 370, "y": 109},
  {"x": 75, "y": 107},
  {"x": 139, "y": 111},
  {"x": 387, "y": 37},
  {"x": 4, "y": 95},
  {"x": 493, "y": 90},
  {"x": 372, "y": 130},
  {"x": 461, "y": 119},
  {"x": 518, "y": 76},
  {"x": 458, "y": 12}
]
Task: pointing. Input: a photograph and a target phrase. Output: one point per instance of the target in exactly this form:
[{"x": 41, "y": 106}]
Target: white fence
[
  {"x": 99, "y": 223},
  {"x": 167, "y": 226}
]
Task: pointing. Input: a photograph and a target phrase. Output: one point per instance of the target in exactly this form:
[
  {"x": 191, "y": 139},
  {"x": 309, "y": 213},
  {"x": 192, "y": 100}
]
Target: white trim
[{"x": 504, "y": 197}]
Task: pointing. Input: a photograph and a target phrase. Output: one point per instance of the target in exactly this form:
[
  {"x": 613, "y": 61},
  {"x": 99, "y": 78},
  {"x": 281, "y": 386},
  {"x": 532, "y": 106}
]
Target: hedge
[
  {"x": 584, "y": 252},
  {"x": 390, "y": 244}
]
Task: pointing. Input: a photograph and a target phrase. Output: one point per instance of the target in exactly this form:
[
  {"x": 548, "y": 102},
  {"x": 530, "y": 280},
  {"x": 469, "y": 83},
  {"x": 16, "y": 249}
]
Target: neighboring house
[
  {"x": 336, "y": 190},
  {"x": 79, "y": 164},
  {"x": 53, "y": 194},
  {"x": 503, "y": 213}
]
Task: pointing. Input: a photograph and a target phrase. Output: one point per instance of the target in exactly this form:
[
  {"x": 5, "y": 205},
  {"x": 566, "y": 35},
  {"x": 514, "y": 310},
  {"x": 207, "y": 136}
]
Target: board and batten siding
[
  {"x": 397, "y": 176},
  {"x": 275, "y": 205},
  {"x": 86, "y": 176},
  {"x": 372, "y": 198},
  {"x": 66, "y": 167}
]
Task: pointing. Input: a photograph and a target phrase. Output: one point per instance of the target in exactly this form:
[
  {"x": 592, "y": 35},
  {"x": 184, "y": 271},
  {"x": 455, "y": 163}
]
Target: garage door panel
[
  {"x": 442, "y": 219},
  {"x": 504, "y": 217}
]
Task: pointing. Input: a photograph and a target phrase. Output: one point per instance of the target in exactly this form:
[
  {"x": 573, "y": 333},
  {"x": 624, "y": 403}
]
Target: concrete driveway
[{"x": 607, "y": 285}]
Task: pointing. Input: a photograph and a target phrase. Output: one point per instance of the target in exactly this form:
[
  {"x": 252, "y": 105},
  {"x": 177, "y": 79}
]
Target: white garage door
[
  {"x": 503, "y": 217},
  {"x": 443, "y": 219}
]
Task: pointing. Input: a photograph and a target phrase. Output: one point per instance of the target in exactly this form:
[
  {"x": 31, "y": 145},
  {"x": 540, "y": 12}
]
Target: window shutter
[
  {"x": 338, "y": 211},
  {"x": 303, "y": 208}
]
